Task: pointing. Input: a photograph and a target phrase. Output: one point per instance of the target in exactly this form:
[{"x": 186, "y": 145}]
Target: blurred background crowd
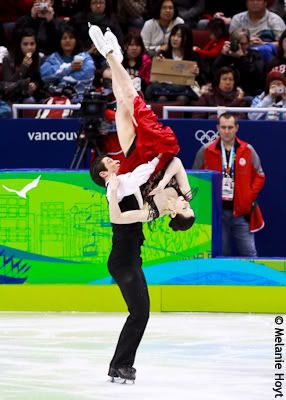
[{"x": 238, "y": 51}]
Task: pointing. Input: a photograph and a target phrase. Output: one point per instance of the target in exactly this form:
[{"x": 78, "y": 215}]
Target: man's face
[
  {"x": 112, "y": 166},
  {"x": 255, "y": 6},
  {"x": 227, "y": 129}
]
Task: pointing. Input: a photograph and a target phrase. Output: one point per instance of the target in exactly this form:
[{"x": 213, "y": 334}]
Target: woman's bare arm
[{"x": 177, "y": 170}]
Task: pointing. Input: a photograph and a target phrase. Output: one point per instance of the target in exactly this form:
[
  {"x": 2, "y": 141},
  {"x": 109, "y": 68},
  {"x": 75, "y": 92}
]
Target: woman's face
[
  {"x": 182, "y": 207},
  {"x": 68, "y": 43},
  {"x": 226, "y": 83},
  {"x": 97, "y": 6},
  {"x": 133, "y": 50},
  {"x": 167, "y": 10},
  {"x": 176, "y": 40},
  {"x": 28, "y": 44}
]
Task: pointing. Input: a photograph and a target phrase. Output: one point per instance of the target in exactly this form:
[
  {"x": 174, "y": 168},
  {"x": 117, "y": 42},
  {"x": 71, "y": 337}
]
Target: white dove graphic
[{"x": 23, "y": 192}]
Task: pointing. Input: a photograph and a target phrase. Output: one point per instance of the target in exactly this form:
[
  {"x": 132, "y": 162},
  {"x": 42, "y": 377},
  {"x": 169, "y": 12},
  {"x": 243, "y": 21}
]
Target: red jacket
[{"x": 248, "y": 179}]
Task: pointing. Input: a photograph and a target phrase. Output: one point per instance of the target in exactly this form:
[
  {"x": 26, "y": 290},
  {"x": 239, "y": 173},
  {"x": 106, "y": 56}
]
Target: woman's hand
[
  {"x": 27, "y": 60},
  {"x": 161, "y": 186},
  {"x": 113, "y": 182},
  {"x": 76, "y": 65},
  {"x": 32, "y": 88}
]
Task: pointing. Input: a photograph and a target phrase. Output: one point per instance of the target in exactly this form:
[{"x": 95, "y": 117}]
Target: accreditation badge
[{"x": 227, "y": 188}]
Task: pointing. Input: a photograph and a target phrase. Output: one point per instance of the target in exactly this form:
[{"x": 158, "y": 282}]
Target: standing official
[{"x": 242, "y": 181}]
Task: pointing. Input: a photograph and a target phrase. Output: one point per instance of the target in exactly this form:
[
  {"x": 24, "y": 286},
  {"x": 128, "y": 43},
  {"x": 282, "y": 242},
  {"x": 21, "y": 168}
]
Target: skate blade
[{"x": 122, "y": 381}]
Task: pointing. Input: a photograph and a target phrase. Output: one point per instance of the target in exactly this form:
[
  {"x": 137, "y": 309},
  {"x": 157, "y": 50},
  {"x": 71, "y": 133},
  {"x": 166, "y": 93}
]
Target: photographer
[
  {"x": 247, "y": 62},
  {"x": 43, "y": 21},
  {"x": 273, "y": 96}
]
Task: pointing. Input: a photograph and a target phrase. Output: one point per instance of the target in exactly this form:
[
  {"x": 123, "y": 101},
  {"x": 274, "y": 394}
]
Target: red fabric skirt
[{"x": 151, "y": 139}]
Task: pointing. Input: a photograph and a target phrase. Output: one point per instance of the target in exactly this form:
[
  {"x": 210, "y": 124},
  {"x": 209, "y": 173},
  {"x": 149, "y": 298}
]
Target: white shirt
[{"x": 130, "y": 183}]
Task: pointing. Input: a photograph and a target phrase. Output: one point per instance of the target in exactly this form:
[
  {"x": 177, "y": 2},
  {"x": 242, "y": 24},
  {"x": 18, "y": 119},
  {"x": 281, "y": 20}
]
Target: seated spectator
[
  {"x": 224, "y": 92},
  {"x": 218, "y": 35},
  {"x": 43, "y": 21},
  {"x": 96, "y": 12},
  {"x": 179, "y": 48},
  {"x": 23, "y": 64},
  {"x": 190, "y": 10},
  {"x": 278, "y": 7},
  {"x": 278, "y": 62},
  {"x": 156, "y": 31},
  {"x": 131, "y": 14},
  {"x": 247, "y": 62},
  {"x": 273, "y": 96},
  {"x": 221, "y": 9},
  {"x": 68, "y": 67},
  {"x": 67, "y": 8},
  {"x": 136, "y": 62},
  {"x": 264, "y": 26}
]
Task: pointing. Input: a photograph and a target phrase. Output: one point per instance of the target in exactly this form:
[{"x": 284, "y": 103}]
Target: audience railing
[
  {"x": 17, "y": 107},
  {"x": 220, "y": 109}
]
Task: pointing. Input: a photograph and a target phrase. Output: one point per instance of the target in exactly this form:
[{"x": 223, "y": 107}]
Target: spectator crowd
[{"x": 238, "y": 51}]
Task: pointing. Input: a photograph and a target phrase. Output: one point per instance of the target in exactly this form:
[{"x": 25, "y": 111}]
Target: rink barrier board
[
  {"x": 164, "y": 298},
  {"x": 49, "y": 143}
]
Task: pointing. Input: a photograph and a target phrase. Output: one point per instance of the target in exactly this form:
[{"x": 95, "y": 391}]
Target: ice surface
[{"x": 196, "y": 356}]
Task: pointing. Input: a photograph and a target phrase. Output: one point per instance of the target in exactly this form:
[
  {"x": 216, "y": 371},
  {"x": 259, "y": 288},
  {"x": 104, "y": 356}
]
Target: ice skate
[
  {"x": 99, "y": 41},
  {"x": 122, "y": 375},
  {"x": 112, "y": 42}
]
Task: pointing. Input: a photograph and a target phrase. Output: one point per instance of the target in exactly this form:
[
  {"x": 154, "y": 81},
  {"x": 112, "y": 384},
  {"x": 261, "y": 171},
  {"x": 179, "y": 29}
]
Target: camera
[
  {"x": 92, "y": 113},
  {"x": 234, "y": 46},
  {"x": 43, "y": 6}
]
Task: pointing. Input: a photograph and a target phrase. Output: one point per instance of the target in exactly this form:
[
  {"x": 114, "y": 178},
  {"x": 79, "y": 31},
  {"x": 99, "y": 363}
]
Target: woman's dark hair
[
  {"x": 280, "y": 51},
  {"x": 70, "y": 30},
  {"x": 187, "y": 41},
  {"x": 134, "y": 38},
  {"x": 181, "y": 223},
  {"x": 218, "y": 28},
  {"x": 108, "y": 7},
  {"x": 223, "y": 71},
  {"x": 96, "y": 167},
  {"x": 156, "y": 9},
  {"x": 17, "y": 51}
]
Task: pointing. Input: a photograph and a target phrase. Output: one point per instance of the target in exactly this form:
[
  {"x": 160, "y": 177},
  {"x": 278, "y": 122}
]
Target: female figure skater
[{"x": 142, "y": 138}]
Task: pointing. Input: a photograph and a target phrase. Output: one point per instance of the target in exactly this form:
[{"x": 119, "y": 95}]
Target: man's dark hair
[
  {"x": 95, "y": 168},
  {"x": 227, "y": 115},
  {"x": 224, "y": 71},
  {"x": 181, "y": 223}
]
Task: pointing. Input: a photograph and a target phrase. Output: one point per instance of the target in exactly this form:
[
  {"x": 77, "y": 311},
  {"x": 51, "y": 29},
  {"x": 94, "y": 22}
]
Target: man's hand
[
  {"x": 113, "y": 182},
  {"x": 256, "y": 40}
]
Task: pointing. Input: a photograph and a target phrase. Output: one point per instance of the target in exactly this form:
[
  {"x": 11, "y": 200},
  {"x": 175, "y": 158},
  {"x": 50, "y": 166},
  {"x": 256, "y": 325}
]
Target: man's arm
[
  {"x": 130, "y": 183},
  {"x": 127, "y": 217},
  {"x": 259, "y": 177}
]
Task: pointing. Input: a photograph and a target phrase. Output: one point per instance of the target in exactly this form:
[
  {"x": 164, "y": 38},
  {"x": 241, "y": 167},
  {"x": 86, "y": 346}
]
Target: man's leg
[
  {"x": 124, "y": 265},
  {"x": 243, "y": 238},
  {"x": 226, "y": 232}
]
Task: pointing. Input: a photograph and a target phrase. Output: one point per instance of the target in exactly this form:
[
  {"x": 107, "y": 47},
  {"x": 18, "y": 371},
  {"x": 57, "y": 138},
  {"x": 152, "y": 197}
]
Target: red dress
[{"x": 152, "y": 139}]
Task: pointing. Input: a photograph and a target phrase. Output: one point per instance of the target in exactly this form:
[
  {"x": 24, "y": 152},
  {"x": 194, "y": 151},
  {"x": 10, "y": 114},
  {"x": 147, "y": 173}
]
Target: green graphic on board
[{"x": 60, "y": 233}]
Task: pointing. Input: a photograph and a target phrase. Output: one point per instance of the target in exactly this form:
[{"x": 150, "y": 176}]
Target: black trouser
[{"x": 124, "y": 265}]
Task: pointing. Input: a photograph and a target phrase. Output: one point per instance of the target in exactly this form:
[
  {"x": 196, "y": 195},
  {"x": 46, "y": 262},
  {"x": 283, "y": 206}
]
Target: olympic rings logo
[{"x": 206, "y": 137}]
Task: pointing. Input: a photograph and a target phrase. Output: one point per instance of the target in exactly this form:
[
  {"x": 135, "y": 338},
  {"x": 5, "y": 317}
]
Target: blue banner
[
  {"x": 35, "y": 143},
  {"x": 269, "y": 140}
]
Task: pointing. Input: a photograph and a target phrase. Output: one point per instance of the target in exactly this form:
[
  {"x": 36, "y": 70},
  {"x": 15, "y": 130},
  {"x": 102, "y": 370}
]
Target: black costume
[{"x": 124, "y": 265}]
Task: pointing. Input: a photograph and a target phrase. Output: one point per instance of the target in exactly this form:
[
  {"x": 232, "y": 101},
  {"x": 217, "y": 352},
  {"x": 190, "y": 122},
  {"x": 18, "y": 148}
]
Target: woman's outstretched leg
[{"x": 123, "y": 88}]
